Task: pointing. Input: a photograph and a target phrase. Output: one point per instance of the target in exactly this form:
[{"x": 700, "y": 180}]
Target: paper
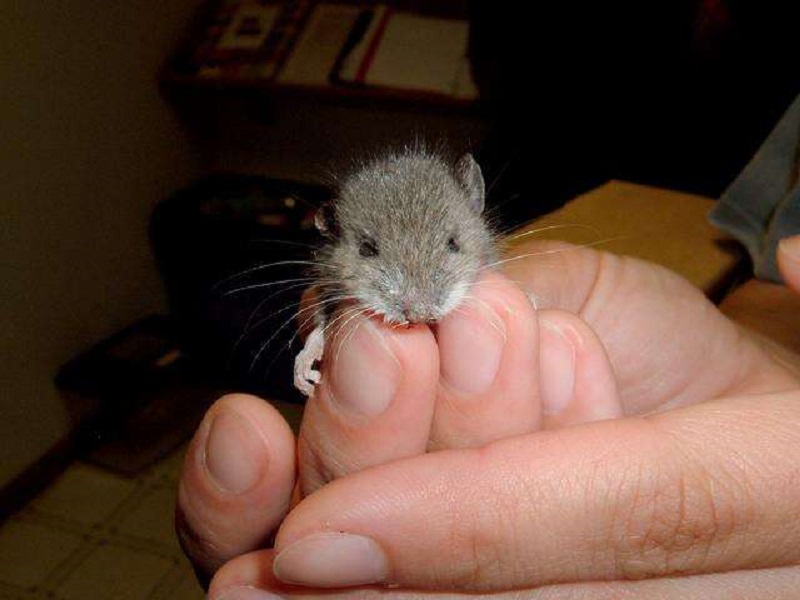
[
  {"x": 420, "y": 53},
  {"x": 316, "y": 51},
  {"x": 465, "y": 88},
  {"x": 358, "y": 60}
]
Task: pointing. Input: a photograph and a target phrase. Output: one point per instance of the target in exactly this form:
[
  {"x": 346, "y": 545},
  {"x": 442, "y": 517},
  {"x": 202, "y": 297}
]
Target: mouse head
[{"x": 407, "y": 236}]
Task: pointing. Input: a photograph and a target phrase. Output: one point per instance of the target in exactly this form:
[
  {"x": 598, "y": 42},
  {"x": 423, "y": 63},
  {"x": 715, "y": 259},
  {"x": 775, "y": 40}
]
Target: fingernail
[
  {"x": 556, "y": 367},
  {"x": 471, "y": 346},
  {"x": 366, "y": 372},
  {"x": 247, "y": 593},
  {"x": 332, "y": 560},
  {"x": 235, "y": 454},
  {"x": 791, "y": 247}
]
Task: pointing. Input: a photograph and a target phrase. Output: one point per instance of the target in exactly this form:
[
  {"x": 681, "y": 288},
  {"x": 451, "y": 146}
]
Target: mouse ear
[
  {"x": 325, "y": 220},
  {"x": 469, "y": 175}
]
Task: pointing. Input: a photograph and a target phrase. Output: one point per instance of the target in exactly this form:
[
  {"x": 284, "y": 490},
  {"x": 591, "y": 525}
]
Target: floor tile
[
  {"x": 84, "y": 494},
  {"x": 29, "y": 552},
  {"x": 153, "y": 518},
  {"x": 115, "y": 573},
  {"x": 187, "y": 587},
  {"x": 13, "y": 595},
  {"x": 170, "y": 468}
]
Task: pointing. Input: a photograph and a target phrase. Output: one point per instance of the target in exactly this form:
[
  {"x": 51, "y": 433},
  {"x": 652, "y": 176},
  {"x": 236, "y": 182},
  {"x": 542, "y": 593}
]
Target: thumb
[
  {"x": 695, "y": 490},
  {"x": 789, "y": 261}
]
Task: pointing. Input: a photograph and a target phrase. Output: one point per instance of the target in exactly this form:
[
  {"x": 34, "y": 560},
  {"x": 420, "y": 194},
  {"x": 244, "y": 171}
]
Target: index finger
[{"x": 692, "y": 491}]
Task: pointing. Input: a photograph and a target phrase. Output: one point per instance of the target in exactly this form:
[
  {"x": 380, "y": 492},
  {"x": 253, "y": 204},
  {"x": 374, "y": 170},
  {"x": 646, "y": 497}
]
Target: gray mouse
[{"x": 404, "y": 238}]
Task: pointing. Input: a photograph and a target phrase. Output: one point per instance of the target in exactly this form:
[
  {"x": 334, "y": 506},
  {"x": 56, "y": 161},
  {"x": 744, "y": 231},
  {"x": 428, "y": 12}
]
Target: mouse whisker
[
  {"x": 490, "y": 284},
  {"x": 288, "y": 344},
  {"x": 551, "y": 228},
  {"x": 500, "y": 174},
  {"x": 282, "y": 242},
  {"x": 301, "y": 327},
  {"x": 288, "y": 321},
  {"x": 494, "y": 320},
  {"x": 257, "y": 286},
  {"x": 352, "y": 333},
  {"x": 343, "y": 320},
  {"x": 331, "y": 325},
  {"x": 249, "y": 324},
  {"x": 553, "y": 251},
  {"x": 310, "y": 263},
  {"x": 304, "y": 283},
  {"x": 349, "y": 337}
]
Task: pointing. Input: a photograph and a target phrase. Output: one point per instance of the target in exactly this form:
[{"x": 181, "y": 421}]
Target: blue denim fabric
[{"x": 762, "y": 205}]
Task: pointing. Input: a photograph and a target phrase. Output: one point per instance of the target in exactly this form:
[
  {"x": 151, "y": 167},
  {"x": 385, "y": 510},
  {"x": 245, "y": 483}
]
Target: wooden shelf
[
  {"x": 349, "y": 95},
  {"x": 179, "y": 77}
]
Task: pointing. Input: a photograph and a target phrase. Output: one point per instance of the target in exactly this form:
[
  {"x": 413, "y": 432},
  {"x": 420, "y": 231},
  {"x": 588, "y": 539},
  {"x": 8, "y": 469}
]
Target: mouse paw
[{"x": 305, "y": 375}]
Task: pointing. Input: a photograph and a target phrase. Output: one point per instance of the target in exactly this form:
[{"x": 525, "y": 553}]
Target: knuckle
[{"x": 674, "y": 519}]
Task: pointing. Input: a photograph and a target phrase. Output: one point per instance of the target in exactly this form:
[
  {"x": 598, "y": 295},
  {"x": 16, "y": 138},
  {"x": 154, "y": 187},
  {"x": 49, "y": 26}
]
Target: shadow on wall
[{"x": 88, "y": 148}]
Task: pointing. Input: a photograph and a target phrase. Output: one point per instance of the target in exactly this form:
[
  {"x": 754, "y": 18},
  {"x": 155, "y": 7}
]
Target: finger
[
  {"x": 694, "y": 490},
  {"x": 556, "y": 274},
  {"x": 250, "y": 577},
  {"x": 375, "y": 401},
  {"x": 236, "y": 483},
  {"x": 576, "y": 379},
  {"x": 659, "y": 331},
  {"x": 488, "y": 349},
  {"x": 789, "y": 261}
]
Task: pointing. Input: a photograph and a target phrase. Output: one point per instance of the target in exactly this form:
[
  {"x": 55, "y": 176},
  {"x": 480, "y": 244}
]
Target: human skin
[{"x": 629, "y": 439}]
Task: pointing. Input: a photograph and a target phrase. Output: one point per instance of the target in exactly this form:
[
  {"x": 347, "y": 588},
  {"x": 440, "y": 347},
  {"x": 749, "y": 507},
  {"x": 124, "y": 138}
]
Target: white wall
[{"x": 87, "y": 147}]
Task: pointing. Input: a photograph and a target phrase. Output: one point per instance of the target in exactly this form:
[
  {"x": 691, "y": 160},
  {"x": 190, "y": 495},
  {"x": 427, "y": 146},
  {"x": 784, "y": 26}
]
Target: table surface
[{"x": 662, "y": 226}]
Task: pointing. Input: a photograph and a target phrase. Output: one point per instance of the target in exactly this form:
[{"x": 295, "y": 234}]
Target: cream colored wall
[{"x": 87, "y": 147}]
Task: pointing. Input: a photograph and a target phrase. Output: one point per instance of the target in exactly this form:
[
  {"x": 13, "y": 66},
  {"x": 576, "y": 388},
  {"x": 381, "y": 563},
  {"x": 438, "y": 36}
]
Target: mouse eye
[
  {"x": 368, "y": 248},
  {"x": 453, "y": 245}
]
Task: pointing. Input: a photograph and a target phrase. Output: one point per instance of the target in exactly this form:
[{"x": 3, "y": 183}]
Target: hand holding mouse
[{"x": 669, "y": 347}]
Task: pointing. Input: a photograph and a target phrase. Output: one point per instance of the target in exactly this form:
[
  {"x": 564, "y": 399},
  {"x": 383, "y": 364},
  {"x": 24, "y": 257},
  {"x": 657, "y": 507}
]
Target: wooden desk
[{"x": 662, "y": 226}]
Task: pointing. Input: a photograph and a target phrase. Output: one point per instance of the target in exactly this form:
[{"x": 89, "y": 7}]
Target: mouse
[{"x": 404, "y": 238}]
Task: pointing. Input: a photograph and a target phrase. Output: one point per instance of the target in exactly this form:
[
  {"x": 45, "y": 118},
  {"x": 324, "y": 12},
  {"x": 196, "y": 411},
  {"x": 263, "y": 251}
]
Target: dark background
[{"x": 678, "y": 93}]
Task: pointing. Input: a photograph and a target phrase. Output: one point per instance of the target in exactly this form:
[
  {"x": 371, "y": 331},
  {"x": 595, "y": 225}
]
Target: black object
[
  {"x": 230, "y": 248},
  {"x": 134, "y": 397},
  {"x": 126, "y": 364},
  {"x": 673, "y": 93}
]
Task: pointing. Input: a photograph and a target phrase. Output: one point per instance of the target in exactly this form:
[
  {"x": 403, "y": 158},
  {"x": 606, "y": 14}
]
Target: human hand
[
  {"x": 699, "y": 502},
  {"x": 234, "y": 490},
  {"x": 789, "y": 261},
  {"x": 660, "y": 335},
  {"x": 758, "y": 374},
  {"x": 769, "y": 310}
]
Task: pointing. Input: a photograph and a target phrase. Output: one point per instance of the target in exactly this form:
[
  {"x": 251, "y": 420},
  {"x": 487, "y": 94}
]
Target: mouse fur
[{"x": 405, "y": 237}]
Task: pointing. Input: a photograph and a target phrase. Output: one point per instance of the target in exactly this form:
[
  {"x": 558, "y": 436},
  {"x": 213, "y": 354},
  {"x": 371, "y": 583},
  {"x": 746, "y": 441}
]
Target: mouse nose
[
  {"x": 413, "y": 313},
  {"x": 407, "y": 310}
]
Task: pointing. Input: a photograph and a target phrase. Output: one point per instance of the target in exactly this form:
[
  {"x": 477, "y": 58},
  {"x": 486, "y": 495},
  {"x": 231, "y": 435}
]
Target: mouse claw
[{"x": 306, "y": 377}]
